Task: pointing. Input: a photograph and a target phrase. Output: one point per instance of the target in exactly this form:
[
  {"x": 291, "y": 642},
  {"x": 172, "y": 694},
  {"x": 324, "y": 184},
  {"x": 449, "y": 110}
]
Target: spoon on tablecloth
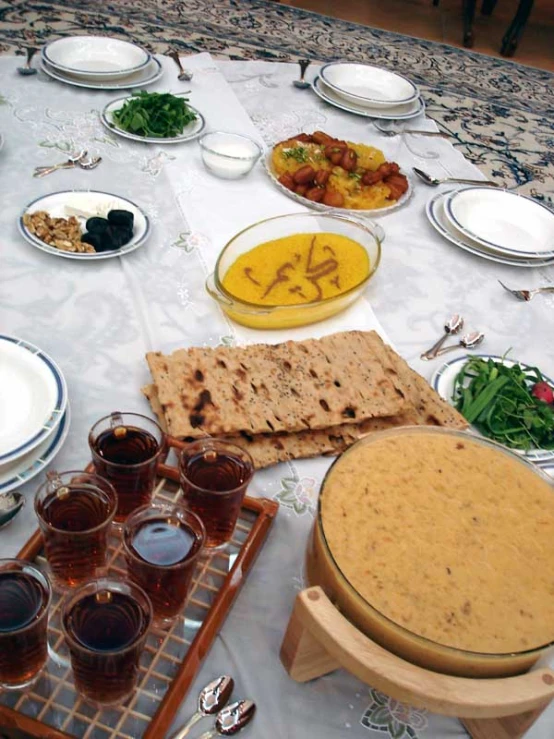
[
  {"x": 10, "y": 505},
  {"x": 184, "y": 75},
  {"x": 27, "y": 69},
  {"x": 301, "y": 84},
  {"x": 469, "y": 341},
  {"x": 452, "y": 326},
  {"x": 435, "y": 181},
  {"x": 231, "y": 719},
  {"x": 211, "y": 700}
]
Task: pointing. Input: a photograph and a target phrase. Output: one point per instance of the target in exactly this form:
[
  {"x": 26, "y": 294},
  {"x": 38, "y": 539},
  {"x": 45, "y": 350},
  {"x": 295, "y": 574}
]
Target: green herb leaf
[{"x": 154, "y": 114}]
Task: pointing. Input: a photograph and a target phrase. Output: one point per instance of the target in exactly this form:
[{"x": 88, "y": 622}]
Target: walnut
[{"x": 62, "y": 233}]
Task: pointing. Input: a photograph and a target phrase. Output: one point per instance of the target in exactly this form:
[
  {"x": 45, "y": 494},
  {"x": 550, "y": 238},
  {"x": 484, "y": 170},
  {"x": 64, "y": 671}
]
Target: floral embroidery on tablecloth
[
  {"x": 298, "y": 493},
  {"x": 398, "y": 720}
]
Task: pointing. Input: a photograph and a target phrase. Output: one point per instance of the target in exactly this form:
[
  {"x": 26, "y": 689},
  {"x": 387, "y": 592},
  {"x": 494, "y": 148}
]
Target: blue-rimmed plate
[
  {"x": 435, "y": 213},
  {"x": 145, "y": 76},
  {"x": 33, "y": 397},
  {"x": 366, "y": 84},
  {"x": 505, "y": 222},
  {"x": 443, "y": 383},
  {"x": 96, "y": 57},
  {"x": 189, "y": 133},
  {"x": 14, "y": 474},
  {"x": 85, "y": 204}
]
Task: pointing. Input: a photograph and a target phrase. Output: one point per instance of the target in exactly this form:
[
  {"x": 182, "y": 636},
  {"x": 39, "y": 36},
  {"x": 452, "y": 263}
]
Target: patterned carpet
[{"x": 500, "y": 114}]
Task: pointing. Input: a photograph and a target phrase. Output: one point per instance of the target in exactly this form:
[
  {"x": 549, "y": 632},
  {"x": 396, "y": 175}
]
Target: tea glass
[
  {"x": 126, "y": 449},
  {"x": 105, "y": 624},
  {"x": 162, "y": 544},
  {"x": 214, "y": 476},
  {"x": 25, "y": 597},
  {"x": 75, "y": 510}
]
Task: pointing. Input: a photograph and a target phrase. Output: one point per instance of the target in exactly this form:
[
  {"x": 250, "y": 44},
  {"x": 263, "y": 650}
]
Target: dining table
[{"x": 99, "y": 319}]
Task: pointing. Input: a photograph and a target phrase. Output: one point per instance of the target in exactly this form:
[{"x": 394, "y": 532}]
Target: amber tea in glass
[
  {"x": 74, "y": 511},
  {"x": 126, "y": 448},
  {"x": 25, "y": 597},
  {"x": 214, "y": 476},
  {"x": 162, "y": 544},
  {"x": 105, "y": 624}
]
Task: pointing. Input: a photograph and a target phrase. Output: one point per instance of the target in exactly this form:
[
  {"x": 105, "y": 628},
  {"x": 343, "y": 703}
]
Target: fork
[
  {"x": 527, "y": 294},
  {"x": 71, "y": 162}
]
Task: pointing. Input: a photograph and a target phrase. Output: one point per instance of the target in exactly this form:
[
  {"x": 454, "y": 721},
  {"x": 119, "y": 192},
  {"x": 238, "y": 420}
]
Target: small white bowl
[{"x": 229, "y": 155}]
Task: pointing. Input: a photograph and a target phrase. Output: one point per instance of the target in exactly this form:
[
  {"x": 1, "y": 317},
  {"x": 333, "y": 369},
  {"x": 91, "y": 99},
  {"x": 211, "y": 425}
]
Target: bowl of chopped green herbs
[
  {"x": 154, "y": 118},
  {"x": 504, "y": 400}
]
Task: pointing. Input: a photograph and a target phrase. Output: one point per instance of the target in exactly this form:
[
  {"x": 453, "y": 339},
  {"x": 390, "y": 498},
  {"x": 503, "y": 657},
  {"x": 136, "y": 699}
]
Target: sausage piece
[
  {"x": 333, "y": 198},
  {"x": 304, "y": 175},
  {"x": 316, "y": 194}
]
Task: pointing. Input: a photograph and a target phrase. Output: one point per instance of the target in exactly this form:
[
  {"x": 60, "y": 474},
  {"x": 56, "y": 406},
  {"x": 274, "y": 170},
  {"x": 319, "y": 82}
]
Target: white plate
[
  {"x": 190, "y": 132},
  {"x": 364, "y": 84},
  {"x": 88, "y": 201},
  {"x": 96, "y": 57},
  {"x": 146, "y": 76},
  {"x": 502, "y": 220},
  {"x": 33, "y": 397},
  {"x": 373, "y": 213},
  {"x": 443, "y": 383},
  {"x": 435, "y": 213},
  {"x": 16, "y": 473},
  {"x": 390, "y": 113}
]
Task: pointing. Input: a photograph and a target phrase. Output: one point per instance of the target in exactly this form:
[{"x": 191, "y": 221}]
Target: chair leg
[
  {"x": 515, "y": 30},
  {"x": 469, "y": 12},
  {"x": 487, "y": 7}
]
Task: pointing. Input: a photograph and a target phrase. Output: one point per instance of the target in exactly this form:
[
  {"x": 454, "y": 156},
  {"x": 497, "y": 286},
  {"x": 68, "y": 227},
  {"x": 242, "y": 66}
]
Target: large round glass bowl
[
  {"x": 368, "y": 235},
  {"x": 322, "y": 568}
]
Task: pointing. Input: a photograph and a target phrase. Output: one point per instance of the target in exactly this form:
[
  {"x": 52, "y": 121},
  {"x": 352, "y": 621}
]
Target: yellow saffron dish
[{"x": 297, "y": 269}]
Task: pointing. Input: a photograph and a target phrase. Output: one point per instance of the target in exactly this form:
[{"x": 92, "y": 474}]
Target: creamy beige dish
[{"x": 449, "y": 539}]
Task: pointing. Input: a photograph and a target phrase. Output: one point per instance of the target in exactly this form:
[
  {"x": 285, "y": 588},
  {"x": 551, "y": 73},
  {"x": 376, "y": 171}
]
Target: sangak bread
[
  {"x": 423, "y": 406},
  {"x": 294, "y": 386}
]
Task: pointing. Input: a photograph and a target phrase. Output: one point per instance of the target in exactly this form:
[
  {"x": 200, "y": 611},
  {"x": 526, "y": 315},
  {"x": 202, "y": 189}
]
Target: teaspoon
[
  {"x": 469, "y": 341},
  {"x": 211, "y": 700},
  {"x": 232, "y": 719},
  {"x": 435, "y": 181},
  {"x": 301, "y": 83},
  {"x": 184, "y": 74},
  {"x": 452, "y": 326},
  {"x": 27, "y": 69},
  {"x": 10, "y": 505},
  {"x": 89, "y": 163}
]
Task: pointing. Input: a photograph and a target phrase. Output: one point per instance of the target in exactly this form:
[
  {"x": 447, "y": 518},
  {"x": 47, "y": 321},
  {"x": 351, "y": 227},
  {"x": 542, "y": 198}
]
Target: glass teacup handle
[
  {"x": 116, "y": 419},
  {"x": 55, "y": 482}
]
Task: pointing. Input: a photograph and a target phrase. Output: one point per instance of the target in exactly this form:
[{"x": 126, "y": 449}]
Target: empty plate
[
  {"x": 23, "y": 469},
  {"x": 364, "y": 84},
  {"x": 145, "y": 76},
  {"x": 398, "y": 112},
  {"x": 33, "y": 397},
  {"x": 502, "y": 220},
  {"x": 190, "y": 132},
  {"x": 98, "y": 57},
  {"x": 435, "y": 213},
  {"x": 85, "y": 204}
]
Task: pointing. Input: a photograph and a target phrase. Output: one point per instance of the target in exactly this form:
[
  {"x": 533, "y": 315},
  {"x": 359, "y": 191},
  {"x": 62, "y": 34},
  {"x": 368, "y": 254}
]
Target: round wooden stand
[{"x": 319, "y": 640}]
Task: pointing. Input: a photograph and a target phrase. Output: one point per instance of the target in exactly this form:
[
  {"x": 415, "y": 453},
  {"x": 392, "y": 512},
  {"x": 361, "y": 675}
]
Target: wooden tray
[{"x": 52, "y": 709}]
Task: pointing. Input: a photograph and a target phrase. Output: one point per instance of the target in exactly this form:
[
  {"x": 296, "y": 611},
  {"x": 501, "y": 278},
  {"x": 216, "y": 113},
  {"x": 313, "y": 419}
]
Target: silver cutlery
[
  {"x": 90, "y": 163},
  {"x": 527, "y": 294},
  {"x": 469, "y": 341},
  {"x": 453, "y": 326},
  {"x": 434, "y": 181},
  {"x": 391, "y": 132},
  {"x": 27, "y": 70},
  {"x": 231, "y": 719},
  {"x": 10, "y": 505},
  {"x": 185, "y": 75},
  {"x": 211, "y": 700},
  {"x": 69, "y": 164},
  {"x": 301, "y": 83}
]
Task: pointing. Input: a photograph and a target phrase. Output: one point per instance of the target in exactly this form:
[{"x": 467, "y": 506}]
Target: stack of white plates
[
  {"x": 368, "y": 91},
  {"x": 498, "y": 225},
  {"x": 99, "y": 63},
  {"x": 34, "y": 412}
]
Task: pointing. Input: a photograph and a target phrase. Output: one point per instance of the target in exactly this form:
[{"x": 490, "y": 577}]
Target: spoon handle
[
  {"x": 438, "y": 134},
  {"x": 184, "y": 730},
  {"x": 432, "y": 352},
  {"x": 449, "y": 349},
  {"x": 472, "y": 182}
]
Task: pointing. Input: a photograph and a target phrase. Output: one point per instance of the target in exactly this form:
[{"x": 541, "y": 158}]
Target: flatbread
[{"x": 289, "y": 387}]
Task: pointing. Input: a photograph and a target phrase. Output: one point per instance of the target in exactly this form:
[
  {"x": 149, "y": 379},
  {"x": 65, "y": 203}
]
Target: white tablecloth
[{"x": 98, "y": 320}]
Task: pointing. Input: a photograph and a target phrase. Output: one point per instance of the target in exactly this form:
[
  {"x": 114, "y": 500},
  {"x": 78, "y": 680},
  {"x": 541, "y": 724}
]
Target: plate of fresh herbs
[
  {"x": 504, "y": 400},
  {"x": 154, "y": 118}
]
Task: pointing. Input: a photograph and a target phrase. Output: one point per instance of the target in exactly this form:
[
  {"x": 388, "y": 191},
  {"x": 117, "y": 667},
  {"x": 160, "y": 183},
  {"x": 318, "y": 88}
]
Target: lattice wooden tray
[{"x": 52, "y": 708}]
